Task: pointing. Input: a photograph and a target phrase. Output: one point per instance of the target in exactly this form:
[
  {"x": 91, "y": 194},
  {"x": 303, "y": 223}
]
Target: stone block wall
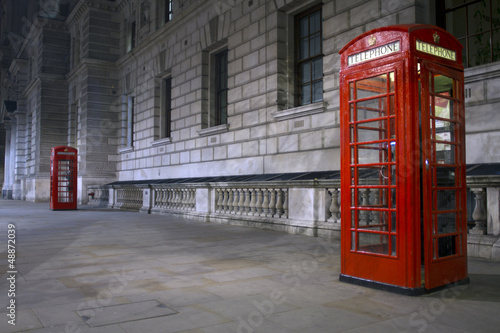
[{"x": 265, "y": 132}]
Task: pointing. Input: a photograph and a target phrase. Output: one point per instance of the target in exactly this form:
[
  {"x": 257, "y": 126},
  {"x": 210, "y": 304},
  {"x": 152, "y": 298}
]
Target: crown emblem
[
  {"x": 372, "y": 40},
  {"x": 436, "y": 37}
]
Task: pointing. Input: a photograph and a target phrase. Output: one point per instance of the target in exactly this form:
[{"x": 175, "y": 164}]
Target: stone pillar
[
  {"x": 7, "y": 186},
  {"x": 479, "y": 214},
  {"x": 493, "y": 210}
]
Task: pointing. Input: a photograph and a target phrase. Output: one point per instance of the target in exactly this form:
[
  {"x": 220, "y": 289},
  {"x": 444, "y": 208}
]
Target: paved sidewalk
[{"x": 99, "y": 270}]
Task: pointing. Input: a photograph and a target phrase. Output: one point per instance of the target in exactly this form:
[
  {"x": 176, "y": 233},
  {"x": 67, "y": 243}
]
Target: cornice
[{"x": 84, "y": 5}]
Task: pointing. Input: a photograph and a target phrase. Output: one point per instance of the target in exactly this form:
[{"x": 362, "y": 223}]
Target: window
[
  {"x": 309, "y": 56},
  {"x": 130, "y": 121},
  {"x": 131, "y": 36},
  {"x": 220, "y": 92},
  {"x": 167, "y": 11},
  {"x": 476, "y": 24},
  {"x": 166, "y": 114}
]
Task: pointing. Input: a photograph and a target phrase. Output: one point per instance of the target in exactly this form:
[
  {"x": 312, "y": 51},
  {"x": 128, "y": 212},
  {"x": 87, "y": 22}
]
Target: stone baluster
[
  {"x": 265, "y": 202},
  {"x": 246, "y": 203},
  {"x": 168, "y": 198},
  {"x": 225, "y": 202},
  {"x": 334, "y": 206},
  {"x": 241, "y": 202},
  {"x": 285, "y": 203},
  {"x": 258, "y": 204},
  {"x": 279, "y": 203},
  {"x": 235, "y": 201},
  {"x": 184, "y": 205},
  {"x": 253, "y": 201},
  {"x": 193, "y": 199},
  {"x": 479, "y": 215},
  {"x": 219, "y": 206},
  {"x": 272, "y": 202}
]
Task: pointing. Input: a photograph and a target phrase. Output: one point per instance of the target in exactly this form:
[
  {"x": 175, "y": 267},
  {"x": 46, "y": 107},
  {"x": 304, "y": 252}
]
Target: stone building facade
[{"x": 149, "y": 90}]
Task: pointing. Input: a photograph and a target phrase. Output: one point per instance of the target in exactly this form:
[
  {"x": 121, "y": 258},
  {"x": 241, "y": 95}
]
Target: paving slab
[{"x": 209, "y": 278}]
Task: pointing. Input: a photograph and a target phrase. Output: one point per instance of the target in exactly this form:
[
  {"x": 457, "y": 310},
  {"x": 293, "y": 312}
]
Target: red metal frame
[
  {"x": 385, "y": 104},
  {"x": 63, "y": 178}
]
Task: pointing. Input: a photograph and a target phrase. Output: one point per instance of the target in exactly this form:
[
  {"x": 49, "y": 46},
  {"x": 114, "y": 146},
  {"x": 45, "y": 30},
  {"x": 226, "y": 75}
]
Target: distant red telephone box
[
  {"x": 63, "y": 173},
  {"x": 403, "y": 184}
]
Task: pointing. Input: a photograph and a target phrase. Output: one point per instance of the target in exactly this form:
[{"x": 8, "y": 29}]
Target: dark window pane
[
  {"x": 317, "y": 92},
  {"x": 455, "y": 22},
  {"x": 306, "y": 94},
  {"x": 478, "y": 19},
  {"x": 305, "y": 72},
  {"x": 303, "y": 27},
  {"x": 315, "y": 22},
  {"x": 479, "y": 49},
  {"x": 304, "y": 49},
  {"x": 315, "y": 45},
  {"x": 317, "y": 71},
  {"x": 496, "y": 44}
]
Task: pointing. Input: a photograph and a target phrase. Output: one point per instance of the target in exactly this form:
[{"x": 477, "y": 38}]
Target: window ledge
[
  {"x": 213, "y": 130},
  {"x": 125, "y": 150},
  {"x": 299, "y": 111},
  {"x": 160, "y": 142}
]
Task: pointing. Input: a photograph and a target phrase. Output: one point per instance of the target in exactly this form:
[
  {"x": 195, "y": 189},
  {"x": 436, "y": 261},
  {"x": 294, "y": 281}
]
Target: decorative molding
[
  {"x": 299, "y": 111},
  {"x": 161, "y": 142},
  {"x": 213, "y": 130}
]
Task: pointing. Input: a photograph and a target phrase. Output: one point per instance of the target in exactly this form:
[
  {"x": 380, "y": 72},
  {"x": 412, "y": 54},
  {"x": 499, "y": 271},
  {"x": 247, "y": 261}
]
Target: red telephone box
[
  {"x": 403, "y": 190},
  {"x": 63, "y": 172}
]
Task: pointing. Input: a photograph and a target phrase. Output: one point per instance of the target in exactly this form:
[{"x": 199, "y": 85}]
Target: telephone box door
[
  {"x": 63, "y": 181},
  {"x": 443, "y": 175}
]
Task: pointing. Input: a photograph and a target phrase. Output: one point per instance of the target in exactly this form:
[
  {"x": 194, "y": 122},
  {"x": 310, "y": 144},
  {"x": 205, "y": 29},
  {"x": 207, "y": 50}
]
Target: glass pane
[
  {"x": 445, "y": 131},
  {"x": 393, "y": 198},
  {"x": 392, "y": 82},
  {"x": 305, "y": 94},
  {"x": 393, "y": 246},
  {"x": 445, "y": 199},
  {"x": 372, "y": 175},
  {"x": 372, "y": 131},
  {"x": 479, "y": 49},
  {"x": 372, "y": 108},
  {"x": 455, "y": 22},
  {"x": 303, "y": 27},
  {"x": 315, "y": 45},
  {"x": 372, "y": 86},
  {"x": 373, "y": 243},
  {"x": 315, "y": 22},
  {"x": 305, "y": 72},
  {"x": 445, "y": 153},
  {"x": 496, "y": 41},
  {"x": 317, "y": 92},
  {"x": 353, "y": 218},
  {"x": 371, "y": 221},
  {"x": 443, "y": 85},
  {"x": 478, "y": 19},
  {"x": 446, "y": 223},
  {"x": 446, "y": 246},
  {"x": 496, "y": 14},
  {"x": 393, "y": 222},
  {"x": 443, "y": 107},
  {"x": 351, "y": 91},
  {"x": 304, "y": 49},
  {"x": 372, "y": 153},
  {"x": 317, "y": 69},
  {"x": 353, "y": 240},
  {"x": 445, "y": 176}
]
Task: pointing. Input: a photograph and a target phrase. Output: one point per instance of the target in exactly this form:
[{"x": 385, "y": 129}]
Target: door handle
[{"x": 427, "y": 164}]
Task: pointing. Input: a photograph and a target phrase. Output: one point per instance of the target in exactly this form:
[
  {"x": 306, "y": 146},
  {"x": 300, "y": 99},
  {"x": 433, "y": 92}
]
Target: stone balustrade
[
  {"x": 130, "y": 198},
  {"x": 309, "y": 207},
  {"x": 174, "y": 198},
  {"x": 251, "y": 201}
]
